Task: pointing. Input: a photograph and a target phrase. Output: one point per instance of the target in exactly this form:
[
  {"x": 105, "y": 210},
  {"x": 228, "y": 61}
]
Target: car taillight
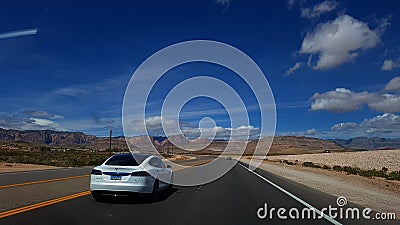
[
  {"x": 96, "y": 172},
  {"x": 140, "y": 174}
]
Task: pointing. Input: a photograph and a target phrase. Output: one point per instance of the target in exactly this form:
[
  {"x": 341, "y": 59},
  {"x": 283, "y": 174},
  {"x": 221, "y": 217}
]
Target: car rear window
[{"x": 122, "y": 160}]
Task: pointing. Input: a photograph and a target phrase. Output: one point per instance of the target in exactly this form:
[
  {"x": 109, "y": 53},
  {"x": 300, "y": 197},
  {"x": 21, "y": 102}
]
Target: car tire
[
  {"x": 171, "y": 184},
  {"x": 156, "y": 186},
  {"x": 156, "y": 190},
  {"x": 97, "y": 197}
]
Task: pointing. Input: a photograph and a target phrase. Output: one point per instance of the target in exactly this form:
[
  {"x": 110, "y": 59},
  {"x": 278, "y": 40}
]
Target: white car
[{"x": 124, "y": 174}]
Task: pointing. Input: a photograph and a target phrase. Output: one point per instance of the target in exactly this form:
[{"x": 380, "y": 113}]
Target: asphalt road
[
  {"x": 30, "y": 176},
  {"x": 198, "y": 159},
  {"x": 232, "y": 199}
]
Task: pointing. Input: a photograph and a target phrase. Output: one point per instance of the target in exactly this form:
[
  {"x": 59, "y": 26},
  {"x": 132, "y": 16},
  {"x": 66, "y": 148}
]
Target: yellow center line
[
  {"x": 42, "y": 204},
  {"x": 43, "y": 181},
  {"x": 57, "y": 200}
]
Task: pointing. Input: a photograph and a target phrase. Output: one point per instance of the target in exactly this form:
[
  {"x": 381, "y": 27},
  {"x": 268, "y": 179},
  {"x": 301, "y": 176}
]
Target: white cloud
[
  {"x": 386, "y": 123},
  {"x": 73, "y": 92},
  {"x": 344, "y": 126},
  {"x": 393, "y": 85},
  {"x": 153, "y": 125},
  {"x": 154, "y": 128},
  {"x": 348, "y": 101},
  {"x": 383, "y": 24},
  {"x": 105, "y": 88},
  {"x": 293, "y": 69},
  {"x": 386, "y": 103},
  {"x": 340, "y": 100},
  {"x": 312, "y": 132},
  {"x": 42, "y": 114},
  {"x": 344, "y": 100},
  {"x": 291, "y": 3},
  {"x": 389, "y": 64},
  {"x": 10, "y": 121},
  {"x": 317, "y": 10},
  {"x": 18, "y": 33},
  {"x": 44, "y": 122},
  {"x": 338, "y": 41},
  {"x": 238, "y": 133},
  {"x": 224, "y": 3},
  {"x": 92, "y": 126}
]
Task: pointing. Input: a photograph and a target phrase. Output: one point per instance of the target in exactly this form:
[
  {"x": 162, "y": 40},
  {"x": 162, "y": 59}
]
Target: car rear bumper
[
  {"x": 115, "y": 193},
  {"x": 122, "y": 187}
]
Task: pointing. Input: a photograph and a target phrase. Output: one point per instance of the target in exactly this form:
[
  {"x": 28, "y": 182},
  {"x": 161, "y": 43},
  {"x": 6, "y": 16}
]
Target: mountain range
[
  {"x": 369, "y": 143},
  {"x": 281, "y": 143}
]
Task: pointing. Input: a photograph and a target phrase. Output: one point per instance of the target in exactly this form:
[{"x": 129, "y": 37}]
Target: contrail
[{"x": 18, "y": 33}]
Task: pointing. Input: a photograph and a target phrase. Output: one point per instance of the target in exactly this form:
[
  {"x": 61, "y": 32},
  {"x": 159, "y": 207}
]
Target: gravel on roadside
[
  {"x": 364, "y": 159},
  {"x": 376, "y": 193}
]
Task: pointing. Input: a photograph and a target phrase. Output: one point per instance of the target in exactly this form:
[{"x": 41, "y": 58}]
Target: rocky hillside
[
  {"x": 47, "y": 137},
  {"x": 369, "y": 143},
  {"x": 288, "y": 145},
  {"x": 281, "y": 144}
]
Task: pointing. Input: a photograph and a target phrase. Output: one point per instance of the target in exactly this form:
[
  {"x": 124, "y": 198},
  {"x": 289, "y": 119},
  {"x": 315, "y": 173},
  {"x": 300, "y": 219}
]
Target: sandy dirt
[
  {"x": 181, "y": 157},
  {"x": 363, "y": 160},
  {"x": 19, "y": 167},
  {"x": 376, "y": 193}
]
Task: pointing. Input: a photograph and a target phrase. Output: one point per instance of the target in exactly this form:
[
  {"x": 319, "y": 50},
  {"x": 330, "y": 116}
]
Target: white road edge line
[{"x": 330, "y": 219}]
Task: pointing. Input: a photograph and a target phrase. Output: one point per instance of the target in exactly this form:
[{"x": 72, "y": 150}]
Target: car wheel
[
  {"x": 171, "y": 182},
  {"x": 156, "y": 187},
  {"x": 97, "y": 197}
]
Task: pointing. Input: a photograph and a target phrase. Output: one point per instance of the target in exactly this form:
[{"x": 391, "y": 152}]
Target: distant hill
[
  {"x": 369, "y": 143},
  {"x": 48, "y": 137},
  {"x": 61, "y": 138},
  {"x": 303, "y": 145},
  {"x": 281, "y": 144}
]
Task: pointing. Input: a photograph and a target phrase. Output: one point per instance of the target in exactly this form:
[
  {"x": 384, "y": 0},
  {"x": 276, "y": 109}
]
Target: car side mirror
[{"x": 169, "y": 166}]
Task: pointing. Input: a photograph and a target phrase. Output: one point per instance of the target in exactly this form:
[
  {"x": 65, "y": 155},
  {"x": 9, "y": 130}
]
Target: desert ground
[
  {"x": 377, "y": 193},
  {"x": 6, "y": 167},
  {"x": 389, "y": 159}
]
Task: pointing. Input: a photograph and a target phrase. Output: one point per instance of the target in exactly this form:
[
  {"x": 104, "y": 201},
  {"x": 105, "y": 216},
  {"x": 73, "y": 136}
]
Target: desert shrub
[
  {"x": 395, "y": 175},
  {"x": 325, "y": 167},
  {"x": 373, "y": 173},
  {"x": 378, "y": 173},
  {"x": 338, "y": 168},
  {"x": 288, "y": 162},
  {"x": 43, "y": 149},
  {"x": 308, "y": 164},
  {"x": 311, "y": 164},
  {"x": 365, "y": 173},
  {"x": 55, "y": 158},
  {"x": 351, "y": 170}
]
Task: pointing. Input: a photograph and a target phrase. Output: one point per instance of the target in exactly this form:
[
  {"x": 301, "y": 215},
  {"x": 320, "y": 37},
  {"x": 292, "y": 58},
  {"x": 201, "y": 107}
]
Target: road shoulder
[
  {"x": 6, "y": 167},
  {"x": 375, "y": 193}
]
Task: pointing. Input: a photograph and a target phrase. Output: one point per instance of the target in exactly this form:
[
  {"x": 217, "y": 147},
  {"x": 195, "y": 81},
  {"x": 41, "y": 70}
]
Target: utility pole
[{"x": 110, "y": 139}]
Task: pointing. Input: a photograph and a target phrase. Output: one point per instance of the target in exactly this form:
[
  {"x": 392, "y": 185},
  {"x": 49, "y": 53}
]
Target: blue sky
[{"x": 333, "y": 66}]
